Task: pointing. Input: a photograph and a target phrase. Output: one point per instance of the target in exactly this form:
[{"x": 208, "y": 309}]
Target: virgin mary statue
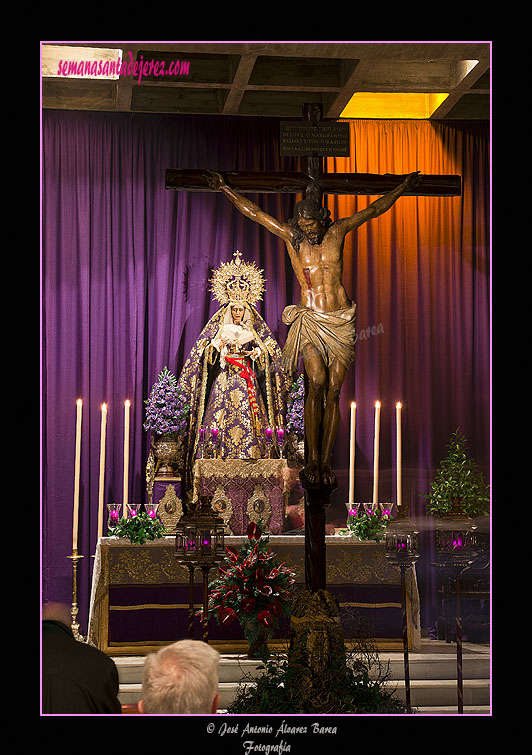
[{"x": 232, "y": 378}]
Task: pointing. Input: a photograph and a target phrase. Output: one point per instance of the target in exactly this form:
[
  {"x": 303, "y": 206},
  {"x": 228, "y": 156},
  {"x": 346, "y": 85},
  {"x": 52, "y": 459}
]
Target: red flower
[
  {"x": 248, "y": 604},
  {"x": 253, "y": 531},
  {"x": 226, "y": 616},
  {"x": 275, "y": 607},
  {"x": 232, "y": 554},
  {"x": 265, "y": 590},
  {"x": 265, "y": 618},
  {"x": 249, "y": 560}
]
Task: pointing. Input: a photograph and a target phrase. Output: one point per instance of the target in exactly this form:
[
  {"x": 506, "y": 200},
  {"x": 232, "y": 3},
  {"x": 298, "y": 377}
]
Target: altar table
[{"x": 139, "y": 597}]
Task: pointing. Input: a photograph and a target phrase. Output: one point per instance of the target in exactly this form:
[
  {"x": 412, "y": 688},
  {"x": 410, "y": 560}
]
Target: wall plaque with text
[{"x": 325, "y": 139}]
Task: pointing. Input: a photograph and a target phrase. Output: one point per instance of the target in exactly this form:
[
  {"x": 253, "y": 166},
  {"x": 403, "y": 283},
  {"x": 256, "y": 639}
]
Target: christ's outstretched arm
[
  {"x": 380, "y": 205},
  {"x": 249, "y": 208}
]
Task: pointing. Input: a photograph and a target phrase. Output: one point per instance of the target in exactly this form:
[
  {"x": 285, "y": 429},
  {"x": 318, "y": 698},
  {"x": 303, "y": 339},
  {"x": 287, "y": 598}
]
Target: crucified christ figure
[{"x": 322, "y": 325}]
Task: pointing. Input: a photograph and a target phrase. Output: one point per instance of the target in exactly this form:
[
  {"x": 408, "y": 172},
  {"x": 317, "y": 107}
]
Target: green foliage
[
  {"x": 368, "y": 525},
  {"x": 138, "y": 528},
  {"x": 458, "y": 480},
  {"x": 287, "y": 687}
]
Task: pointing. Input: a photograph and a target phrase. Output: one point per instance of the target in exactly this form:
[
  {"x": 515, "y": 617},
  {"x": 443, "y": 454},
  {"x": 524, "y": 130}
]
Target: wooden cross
[{"x": 313, "y": 184}]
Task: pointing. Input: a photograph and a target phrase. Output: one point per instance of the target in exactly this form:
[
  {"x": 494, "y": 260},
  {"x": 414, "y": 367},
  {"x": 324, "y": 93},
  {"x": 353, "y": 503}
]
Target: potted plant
[
  {"x": 367, "y": 524},
  {"x": 459, "y": 483},
  {"x": 254, "y": 588},
  {"x": 167, "y": 418},
  {"x": 295, "y": 419}
]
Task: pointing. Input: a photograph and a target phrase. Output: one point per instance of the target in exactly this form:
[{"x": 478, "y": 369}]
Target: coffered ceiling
[{"x": 264, "y": 78}]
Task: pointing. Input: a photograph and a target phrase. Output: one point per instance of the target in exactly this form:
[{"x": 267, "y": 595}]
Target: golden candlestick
[{"x": 74, "y": 610}]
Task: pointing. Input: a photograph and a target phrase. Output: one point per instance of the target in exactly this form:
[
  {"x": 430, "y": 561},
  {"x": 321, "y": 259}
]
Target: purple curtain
[{"x": 125, "y": 270}]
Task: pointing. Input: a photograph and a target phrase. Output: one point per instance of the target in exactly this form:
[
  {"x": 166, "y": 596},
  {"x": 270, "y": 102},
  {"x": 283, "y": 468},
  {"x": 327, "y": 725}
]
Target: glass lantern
[
  {"x": 455, "y": 541},
  {"x": 199, "y": 536},
  {"x": 199, "y": 543},
  {"x": 402, "y": 547}
]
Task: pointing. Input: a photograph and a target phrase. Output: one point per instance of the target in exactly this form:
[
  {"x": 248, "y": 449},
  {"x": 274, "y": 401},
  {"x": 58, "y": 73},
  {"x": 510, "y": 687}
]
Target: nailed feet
[{"x": 316, "y": 475}]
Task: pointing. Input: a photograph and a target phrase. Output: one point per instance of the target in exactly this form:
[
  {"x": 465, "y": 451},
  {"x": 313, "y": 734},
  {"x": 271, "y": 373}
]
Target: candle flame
[
  {"x": 353, "y": 405},
  {"x": 127, "y": 402},
  {"x": 398, "y": 405},
  {"x": 79, "y": 402},
  {"x": 104, "y": 407},
  {"x": 377, "y": 404}
]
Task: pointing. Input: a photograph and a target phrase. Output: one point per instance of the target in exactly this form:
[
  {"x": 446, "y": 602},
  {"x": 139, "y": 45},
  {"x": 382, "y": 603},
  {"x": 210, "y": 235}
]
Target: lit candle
[
  {"x": 269, "y": 433},
  {"x": 127, "y": 404},
  {"x": 352, "y": 454},
  {"x": 280, "y": 436},
  {"x": 376, "y": 453},
  {"x": 77, "y": 467},
  {"x": 102, "y": 470},
  {"x": 398, "y": 408}
]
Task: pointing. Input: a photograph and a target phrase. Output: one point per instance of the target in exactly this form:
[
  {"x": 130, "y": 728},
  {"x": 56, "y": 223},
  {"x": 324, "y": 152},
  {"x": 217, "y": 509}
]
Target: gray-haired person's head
[{"x": 180, "y": 678}]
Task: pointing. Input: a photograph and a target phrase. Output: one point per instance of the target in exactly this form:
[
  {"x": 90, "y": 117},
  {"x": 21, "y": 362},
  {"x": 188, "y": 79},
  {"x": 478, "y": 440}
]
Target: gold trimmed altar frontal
[
  {"x": 139, "y": 597},
  {"x": 244, "y": 491}
]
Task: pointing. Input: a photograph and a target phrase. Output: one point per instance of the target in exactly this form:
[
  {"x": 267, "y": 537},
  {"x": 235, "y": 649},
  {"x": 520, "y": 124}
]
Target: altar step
[{"x": 433, "y": 688}]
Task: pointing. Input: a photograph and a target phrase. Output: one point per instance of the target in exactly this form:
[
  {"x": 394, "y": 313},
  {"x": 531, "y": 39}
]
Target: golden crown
[{"x": 237, "y": 281}]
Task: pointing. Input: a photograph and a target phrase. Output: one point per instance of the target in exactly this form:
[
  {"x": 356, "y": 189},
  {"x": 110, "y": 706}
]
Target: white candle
[
  {"x": 352, "y": 454},
  {"x": 77, "y": 467},
  {"x": 376, "y": 454},
  {"x": 127, "y": 404},
  {"x": 398, "y": 408},
  {"x": 102, "y": 470}
]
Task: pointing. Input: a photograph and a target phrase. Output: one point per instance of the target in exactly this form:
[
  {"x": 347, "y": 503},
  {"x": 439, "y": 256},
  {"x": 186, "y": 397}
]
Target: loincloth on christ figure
[{"x": 332, "y": 333}]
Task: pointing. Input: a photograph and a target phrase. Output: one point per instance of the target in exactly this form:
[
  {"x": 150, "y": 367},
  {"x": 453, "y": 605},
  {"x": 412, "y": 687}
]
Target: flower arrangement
[
  {"x": 458, "y": 481},
  {"x": 139, "y": 528},
  {"x": 253, "y": 588},
  {"x": 369, "y": 524},
  {"x": 295, "y": 421},
  {"x": 166, "y": 408}
]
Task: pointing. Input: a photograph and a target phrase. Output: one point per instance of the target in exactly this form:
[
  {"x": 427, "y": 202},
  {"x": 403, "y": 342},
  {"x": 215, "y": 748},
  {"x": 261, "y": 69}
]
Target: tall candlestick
[
  {"x": 77, "y": 467},
  {"x": 127, "y": 404},
  {"x": 102, "y": 470},
  {"x": 352, "y": 454},
  {"x": 376, "y": 454},
  {"x": 398, "y": 408}
]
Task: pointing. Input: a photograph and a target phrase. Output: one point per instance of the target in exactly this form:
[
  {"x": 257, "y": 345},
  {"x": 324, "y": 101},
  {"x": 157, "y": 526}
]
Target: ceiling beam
[{"x": 464, "y": 86}]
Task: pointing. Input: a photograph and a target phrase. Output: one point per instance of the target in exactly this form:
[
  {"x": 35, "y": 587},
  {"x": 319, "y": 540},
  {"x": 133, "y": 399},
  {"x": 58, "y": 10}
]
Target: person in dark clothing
[{"x": 76, "y": 678}]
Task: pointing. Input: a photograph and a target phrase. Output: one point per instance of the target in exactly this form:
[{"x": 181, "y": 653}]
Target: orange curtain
[{"x": 420, "y": 277}]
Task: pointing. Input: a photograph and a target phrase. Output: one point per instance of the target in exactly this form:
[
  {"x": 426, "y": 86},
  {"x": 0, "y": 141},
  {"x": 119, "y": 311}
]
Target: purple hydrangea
[
  {"x": 295, "y": 418},
  {"x": 166, "y": 408}
]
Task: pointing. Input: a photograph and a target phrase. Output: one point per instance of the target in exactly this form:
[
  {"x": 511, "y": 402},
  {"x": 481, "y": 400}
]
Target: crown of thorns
[{"x": 237, "y": 281}]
